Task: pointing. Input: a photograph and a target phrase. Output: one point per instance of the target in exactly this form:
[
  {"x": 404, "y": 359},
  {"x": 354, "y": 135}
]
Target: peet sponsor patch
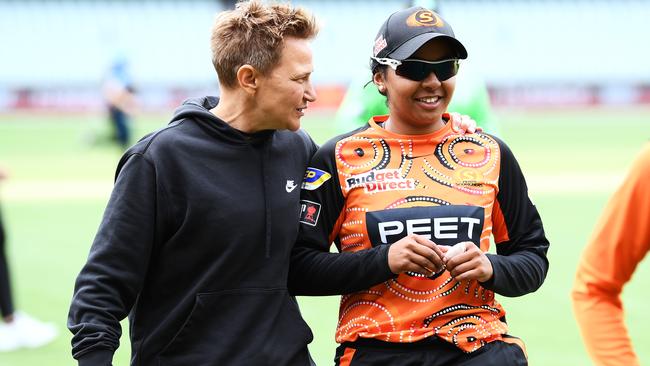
[
  {"x": 444, "y": 225},
  {"x": 309, "y": 212},
  {"x": 314, "y": 178}
]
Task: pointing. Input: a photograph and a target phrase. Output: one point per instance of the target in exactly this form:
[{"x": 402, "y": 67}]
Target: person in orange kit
[
  {"x": 404, "y": 177},
  {"x": 620, "y": 241}
]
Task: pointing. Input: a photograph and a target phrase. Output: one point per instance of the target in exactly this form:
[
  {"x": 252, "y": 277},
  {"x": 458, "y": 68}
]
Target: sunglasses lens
[
  {"x": 418, "y": 71},
  {"x": 446, "y": 70},
  {"x": 413, "y": 70}
]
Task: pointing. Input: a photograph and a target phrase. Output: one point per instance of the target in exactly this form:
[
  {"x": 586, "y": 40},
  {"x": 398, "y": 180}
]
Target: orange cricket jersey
[
  {"x": 620, "y": 241},
  {"x": 372, "y": 187}
]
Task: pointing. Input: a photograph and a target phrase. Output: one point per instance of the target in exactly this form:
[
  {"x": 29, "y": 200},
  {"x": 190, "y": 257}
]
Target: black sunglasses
[{"x": 418, "y": 70}]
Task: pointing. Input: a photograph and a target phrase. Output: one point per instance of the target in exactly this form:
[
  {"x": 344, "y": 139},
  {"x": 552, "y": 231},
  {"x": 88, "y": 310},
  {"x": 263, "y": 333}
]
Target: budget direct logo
[{"x": 380, "y": 181}]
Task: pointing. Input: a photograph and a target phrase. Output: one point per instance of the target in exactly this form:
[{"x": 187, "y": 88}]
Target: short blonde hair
[{"x": 253, "y": 34}]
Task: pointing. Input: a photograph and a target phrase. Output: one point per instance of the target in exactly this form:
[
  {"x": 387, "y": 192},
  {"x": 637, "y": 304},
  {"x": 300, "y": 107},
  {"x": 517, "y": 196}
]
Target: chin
[{"x": 293, "y": 126}]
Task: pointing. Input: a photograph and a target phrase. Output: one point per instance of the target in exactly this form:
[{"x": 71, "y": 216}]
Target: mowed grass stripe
[{"x": 45, "y": 190}]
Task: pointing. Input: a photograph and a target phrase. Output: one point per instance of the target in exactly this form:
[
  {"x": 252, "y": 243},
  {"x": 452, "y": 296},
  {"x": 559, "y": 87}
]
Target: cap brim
[{"x": 409, "y": 47}]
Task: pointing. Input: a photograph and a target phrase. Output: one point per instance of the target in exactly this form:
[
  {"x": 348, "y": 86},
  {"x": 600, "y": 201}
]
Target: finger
[
  {"x": 468, "y": 275},
  {"x": 427, "y": 258},
  {"x": 409, "y": 255},
  {"x": 455, "y": 250},
  {"x": 469, "y": 263},
  {"x": 462, "y": 258},
  {"x": 459, "y": 268},
  {"x": 428, "y": 243},
  {"x": 437, "y": 259},
  {"x": 455, "y": 120},
  {"x": 420, "y": 265},
  {"x": 470, "y": 125}
]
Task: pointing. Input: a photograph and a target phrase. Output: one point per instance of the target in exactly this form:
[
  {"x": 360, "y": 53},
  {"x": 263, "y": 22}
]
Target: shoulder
[
  {"x": 160, "y": 139},
  {"x": 336, "y": 140},
  {"x": 298, "y": 141},
  {"x": 326, "y": 154},
  {"x": 157, "y": 143},
  {"x": 640, "y": 170},
  {"x": 643, "y": 160},
  {"x": 504, "y": 150}
]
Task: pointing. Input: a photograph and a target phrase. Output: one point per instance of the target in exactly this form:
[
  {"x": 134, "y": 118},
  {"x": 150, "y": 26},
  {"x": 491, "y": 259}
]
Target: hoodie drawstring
[{"x": 267, "y": 195}]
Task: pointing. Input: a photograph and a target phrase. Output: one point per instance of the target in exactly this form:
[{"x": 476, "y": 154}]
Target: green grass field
[{"x": 573, "y": 159}]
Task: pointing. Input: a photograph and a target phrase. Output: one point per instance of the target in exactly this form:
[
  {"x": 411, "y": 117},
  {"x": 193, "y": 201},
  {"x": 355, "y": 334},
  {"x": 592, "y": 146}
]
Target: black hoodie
[{"x": 194, "y": 246}]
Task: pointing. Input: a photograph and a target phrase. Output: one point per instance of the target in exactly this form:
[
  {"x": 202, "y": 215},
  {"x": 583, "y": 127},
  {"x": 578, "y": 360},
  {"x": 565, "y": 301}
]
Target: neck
[
  {"x": 237, "y": 110},
  {"x": 408, "y": 129}
]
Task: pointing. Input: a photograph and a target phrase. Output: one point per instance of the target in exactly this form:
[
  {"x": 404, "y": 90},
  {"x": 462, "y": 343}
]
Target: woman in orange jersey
[
  {"x": 408, "y": 177},
  {"x": 619, "y": 243}
]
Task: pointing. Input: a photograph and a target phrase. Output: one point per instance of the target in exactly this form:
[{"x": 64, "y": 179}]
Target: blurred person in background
[
  {"x": 618, "y": 244},
  {"x": 17, "y": 329},
  {"x": 118, "y": 90},
  {"x": 362, "y": 100},
  {"x": 409, "y": 177}
]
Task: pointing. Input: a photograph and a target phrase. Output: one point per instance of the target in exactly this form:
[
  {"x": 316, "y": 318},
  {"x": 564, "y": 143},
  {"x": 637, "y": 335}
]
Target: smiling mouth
[{"x": 429, "y": 100}]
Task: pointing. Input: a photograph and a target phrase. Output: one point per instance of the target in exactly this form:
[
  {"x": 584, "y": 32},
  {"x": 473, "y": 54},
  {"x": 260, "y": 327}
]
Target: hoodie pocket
[{"x": 241, "y": 327}]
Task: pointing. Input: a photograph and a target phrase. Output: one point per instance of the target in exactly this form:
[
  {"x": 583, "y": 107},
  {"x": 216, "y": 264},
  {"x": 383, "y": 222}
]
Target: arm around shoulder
[{"x": 314, "y": 270}]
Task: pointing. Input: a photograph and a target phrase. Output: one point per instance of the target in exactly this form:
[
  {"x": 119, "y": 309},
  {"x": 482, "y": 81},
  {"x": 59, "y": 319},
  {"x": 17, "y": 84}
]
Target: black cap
[{"x": 405, "y": 31}]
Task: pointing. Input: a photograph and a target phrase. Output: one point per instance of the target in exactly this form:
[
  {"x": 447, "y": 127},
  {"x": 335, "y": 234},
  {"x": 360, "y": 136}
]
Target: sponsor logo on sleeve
[
  {"x": 380, "y": 180},
  {"x": 309, "y": 212},
  {"x": 444, "y": 225},
  {"x": 314, "y": 178}
]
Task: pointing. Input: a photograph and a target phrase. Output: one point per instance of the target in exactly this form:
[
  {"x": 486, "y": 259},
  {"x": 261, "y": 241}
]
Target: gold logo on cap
[{"x": 424, "y": 18}]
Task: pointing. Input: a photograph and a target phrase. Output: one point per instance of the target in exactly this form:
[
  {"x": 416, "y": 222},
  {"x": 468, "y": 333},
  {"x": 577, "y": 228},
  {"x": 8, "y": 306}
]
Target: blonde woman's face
[{"x": 287, "y": 89}]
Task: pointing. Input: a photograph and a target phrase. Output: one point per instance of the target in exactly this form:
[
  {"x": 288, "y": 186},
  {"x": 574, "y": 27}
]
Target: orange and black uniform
[
  {"x": 368, "y": 189},
  {"x": 619, "y": 242}
]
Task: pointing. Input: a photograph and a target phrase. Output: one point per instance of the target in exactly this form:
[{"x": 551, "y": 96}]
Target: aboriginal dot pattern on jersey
[
  {"x": 411, "y": 199},
  {"x": 440, "y": 169}
]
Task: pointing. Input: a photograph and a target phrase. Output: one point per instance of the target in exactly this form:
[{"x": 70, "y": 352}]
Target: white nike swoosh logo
[{"x": 290, "y": 189}]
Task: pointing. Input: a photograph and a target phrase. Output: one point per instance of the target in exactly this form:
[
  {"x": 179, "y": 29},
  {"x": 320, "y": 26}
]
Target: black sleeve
[
  {"x": 520, "y": 265},
  {"x": 314, "y": 270},
  {"x": 112, "y": 277}
]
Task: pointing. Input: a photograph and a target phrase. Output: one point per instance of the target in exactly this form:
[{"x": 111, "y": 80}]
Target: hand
[
  {"x": 466, "y": 261},
  {"x": 463, "y": 123},
  {"x": 415, "y": 253}
]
